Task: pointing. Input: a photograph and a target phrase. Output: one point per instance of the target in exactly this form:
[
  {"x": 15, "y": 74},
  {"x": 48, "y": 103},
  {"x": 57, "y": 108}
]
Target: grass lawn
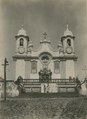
[{"x": 44, "y": 108}]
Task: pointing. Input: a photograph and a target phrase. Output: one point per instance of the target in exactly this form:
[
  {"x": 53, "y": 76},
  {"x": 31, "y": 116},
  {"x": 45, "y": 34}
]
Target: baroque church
[{"x": 45, "y": 69}]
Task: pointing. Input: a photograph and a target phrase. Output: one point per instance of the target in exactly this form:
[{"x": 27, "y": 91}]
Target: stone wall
[{"x": 11, "y": 89}]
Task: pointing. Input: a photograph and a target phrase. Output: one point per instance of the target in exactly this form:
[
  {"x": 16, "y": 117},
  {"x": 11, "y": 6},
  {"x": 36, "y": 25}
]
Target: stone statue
[{"x": 45, "y": 75}]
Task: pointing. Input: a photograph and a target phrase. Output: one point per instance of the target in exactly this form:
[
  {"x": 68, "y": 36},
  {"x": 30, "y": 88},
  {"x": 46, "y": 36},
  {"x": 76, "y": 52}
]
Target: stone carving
[
  {"x": 20, "y": 85},
  {"x": 45, "y": 75}
]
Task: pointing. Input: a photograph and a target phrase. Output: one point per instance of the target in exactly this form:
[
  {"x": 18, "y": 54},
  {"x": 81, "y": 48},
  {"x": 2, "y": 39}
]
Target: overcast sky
[{"x": 39, "y": 16}]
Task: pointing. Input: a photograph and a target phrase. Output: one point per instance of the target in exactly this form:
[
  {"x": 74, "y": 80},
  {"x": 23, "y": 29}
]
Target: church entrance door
[
  {"x": 45, "y": 75},
  {"x": 46, "y": 88}
]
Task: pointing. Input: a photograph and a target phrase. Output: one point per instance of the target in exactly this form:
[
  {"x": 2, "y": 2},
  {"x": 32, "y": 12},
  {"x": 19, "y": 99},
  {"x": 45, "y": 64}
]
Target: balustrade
[{"x": 63, "y": 81}]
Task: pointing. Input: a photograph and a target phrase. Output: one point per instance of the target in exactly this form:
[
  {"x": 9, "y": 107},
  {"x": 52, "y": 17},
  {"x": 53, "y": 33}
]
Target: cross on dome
[{"x": 22, "y": 26}]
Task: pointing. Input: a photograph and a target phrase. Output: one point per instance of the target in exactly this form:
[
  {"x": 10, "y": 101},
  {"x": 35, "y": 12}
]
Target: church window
[
  {"x": 21, "y": 42},
  {"x": 69, "y": 42},
  {"x": 34, "y": 67},
  {"x": 45, "y": 59},
  {"x": 56, "y": 66}
]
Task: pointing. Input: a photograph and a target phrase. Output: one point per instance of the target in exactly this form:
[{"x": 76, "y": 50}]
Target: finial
[
  {"x": 45, "y": 34},
  {"x": 67, "y": 26},
  {"x": 22, "y": 26}
]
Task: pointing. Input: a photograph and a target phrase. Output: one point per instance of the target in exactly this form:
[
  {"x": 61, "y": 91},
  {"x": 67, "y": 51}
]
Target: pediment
[{"x": 45, "y": 48}]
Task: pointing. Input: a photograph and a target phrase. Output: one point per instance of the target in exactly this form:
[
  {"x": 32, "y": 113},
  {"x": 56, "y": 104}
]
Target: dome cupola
[
  {"x": 22, "y": 32},
  {"x": 68, "y": 32}
]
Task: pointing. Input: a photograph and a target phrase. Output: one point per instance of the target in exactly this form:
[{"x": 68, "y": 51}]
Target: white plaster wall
[
  {"x": 20, "y": 68},
  {"x": 72, "y": 43},
  {"x": 56, "y": 76},
  {"x": 70, "y": 68},
  {"x": 63, "y": 69},
  {"x": 75, "y": 63},
  {"x": 45, "y": 47},
  {"x": 42, "y": 87},
  {"x": 51, "y": 67},
  {"x": 65, "y": 44},
  {"x": 36, "y": 75},
  {"x": 51, "y": 88},
  {"x": 25, "y": 45},
  {"x": 40, "y": 66},
  {"x": 27, "y": 69}
]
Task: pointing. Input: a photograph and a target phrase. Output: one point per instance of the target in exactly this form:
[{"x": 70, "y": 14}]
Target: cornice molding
[{"x": 28, "y": 58}]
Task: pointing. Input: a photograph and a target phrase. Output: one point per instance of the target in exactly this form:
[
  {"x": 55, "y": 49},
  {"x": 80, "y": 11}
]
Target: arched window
[
  {"x": 56, "y": 67},
  {"x": 34, "y": 67},
  {"x": 45, "y": 59},
  {"x": 69, "y": 42},
  {"x": 21, "y": 42}
]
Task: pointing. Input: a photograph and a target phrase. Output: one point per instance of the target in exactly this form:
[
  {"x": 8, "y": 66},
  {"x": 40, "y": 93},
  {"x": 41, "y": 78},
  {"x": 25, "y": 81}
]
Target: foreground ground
[{"x": 44, "y": 108}]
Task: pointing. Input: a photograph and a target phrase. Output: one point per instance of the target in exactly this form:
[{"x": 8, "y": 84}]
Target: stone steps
[
  {"x": 32, "y": 87},
  {"x": 35, "y": 86}
]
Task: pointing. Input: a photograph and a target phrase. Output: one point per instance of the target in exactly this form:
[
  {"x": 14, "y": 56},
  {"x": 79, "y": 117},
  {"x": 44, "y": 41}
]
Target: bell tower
[
  {"x": 22, "y": 41},
  {"x": 69, "y": 53},
  {"x": 68, "y": 42}
]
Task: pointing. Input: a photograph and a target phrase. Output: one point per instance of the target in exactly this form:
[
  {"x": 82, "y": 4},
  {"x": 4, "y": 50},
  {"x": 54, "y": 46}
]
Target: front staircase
[{"x": 32, "y": 85}]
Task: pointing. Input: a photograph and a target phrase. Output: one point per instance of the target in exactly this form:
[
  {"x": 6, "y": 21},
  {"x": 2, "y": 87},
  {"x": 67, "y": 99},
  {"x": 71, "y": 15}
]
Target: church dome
[
  {"x": 68, "y": 32},
  {"x": 22, "y": 32}
]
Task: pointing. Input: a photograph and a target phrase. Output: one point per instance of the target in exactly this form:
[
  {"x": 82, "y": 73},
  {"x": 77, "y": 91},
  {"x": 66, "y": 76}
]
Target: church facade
[{"x": 44, "y": 69}]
